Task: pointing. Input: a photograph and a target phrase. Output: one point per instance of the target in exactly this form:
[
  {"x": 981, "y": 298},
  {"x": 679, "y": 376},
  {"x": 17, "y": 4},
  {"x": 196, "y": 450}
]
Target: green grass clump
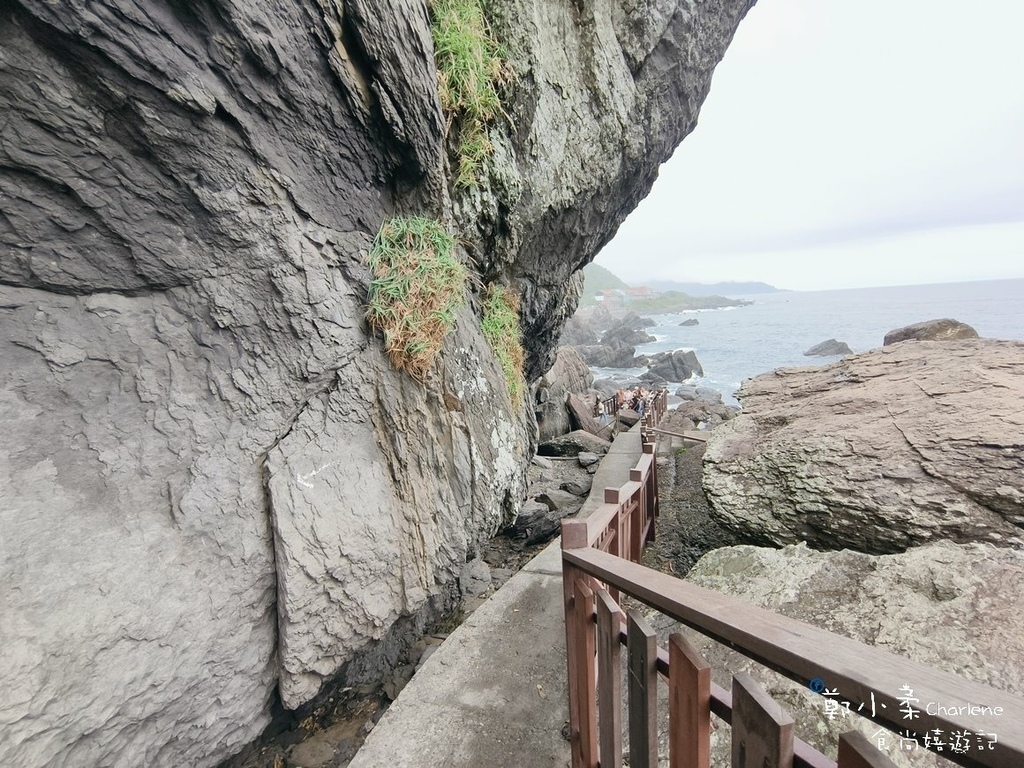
[
  {"x": 470, "y": 70},
  {"x": 502, "y": 330},
  {"x": 417, "y": 285}
]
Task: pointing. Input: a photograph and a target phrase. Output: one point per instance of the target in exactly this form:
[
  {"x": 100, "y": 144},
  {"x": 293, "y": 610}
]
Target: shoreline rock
[{"x": 878, "y": 452}]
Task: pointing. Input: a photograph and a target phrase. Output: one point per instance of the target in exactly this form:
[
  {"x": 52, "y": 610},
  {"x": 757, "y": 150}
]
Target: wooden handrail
[
  {"x": 802, "y": 653},
  {"x": 604, "y": 549}
]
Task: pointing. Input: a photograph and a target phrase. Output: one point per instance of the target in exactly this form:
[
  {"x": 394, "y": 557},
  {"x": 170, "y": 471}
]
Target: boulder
[
  {"x": 603, "y": 356},
  {"x": 628, "y": 417},
  {"x": 559, "y": 500},
  {"x": 579, "y": 487},
  {"x": 689, "y": 321},
  {"x": 475, "y": 577},
  {"x": 569, "y": 376},
  {"x": 542, "y": 462},
  {"x": 574, "y": 443},
  {"x": 535, "y": 523},
  {"x": 829, "y": 348},
  {"x": 581, "y": 415},
  {"x": 953, "y": 607},
  {"x": 679, "y": 365},
  {"x": 944, "y": 329},
  {"x": 569, "y": 373},
  {"x": 879, "y": 451}
]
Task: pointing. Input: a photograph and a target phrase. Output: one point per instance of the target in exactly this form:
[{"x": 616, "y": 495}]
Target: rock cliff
[
  {"x": 881, "y": 451},
  {"x": 213, "y": 486}
]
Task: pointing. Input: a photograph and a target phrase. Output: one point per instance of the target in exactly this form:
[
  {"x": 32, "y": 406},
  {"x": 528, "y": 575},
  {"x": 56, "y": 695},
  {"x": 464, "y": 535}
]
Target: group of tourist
[{"x": 638, "y": 398}]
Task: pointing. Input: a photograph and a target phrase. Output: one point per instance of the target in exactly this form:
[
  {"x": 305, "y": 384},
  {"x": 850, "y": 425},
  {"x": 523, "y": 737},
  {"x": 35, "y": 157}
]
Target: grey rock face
[
  {"x": 212, "y": 482},
  {"x": 953, "y": 607},
  {"x": 829, "y": 348},
  {"x": 931, "y": 330},
  {"x": 675, "y": 366},
  {"x": 602, "y": 356},
  {"x": 568, "y": 376},
  {"x": 879, "y": 451},
  {"x": 573, "y": 444},
  {"x": 604, "y": 95}
]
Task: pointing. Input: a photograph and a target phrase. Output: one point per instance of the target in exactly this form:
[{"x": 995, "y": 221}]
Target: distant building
[
  {"x": 615, "y": 298},
  {"x": 611, "y": 298}
]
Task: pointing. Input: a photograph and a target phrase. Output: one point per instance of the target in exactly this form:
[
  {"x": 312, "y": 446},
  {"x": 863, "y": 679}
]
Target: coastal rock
[
  {"x": 606, "y": 388},
  {"x": 679, "y": 365},
  {"x": 581, "y": 416},
  {"x": 601, "y": 356},
  {"x": 628, "y": 332},
  {"x": 535, "y": 523},
  {"x": 689, "y": 322},
  {"x": 568, "y": 376},
  {"x": 931, "y": 330},
  {"x": 579, "y": 487},
  {"x": 216, "y": 494},
  {"x": 829, "y": 348},
  {"x": 627, "y": 417},
  {"x": 699, "y": 393},
  {"x": 574, "y": 443},
  {"x": 954, "y": 607},
  {"x": 878, "y": 452}
]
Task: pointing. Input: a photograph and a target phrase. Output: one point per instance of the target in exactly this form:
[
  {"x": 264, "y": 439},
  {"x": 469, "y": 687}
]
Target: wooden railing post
[
  {"x": 689, "y": 708},
  {"x": 578, "y": 602},
  {"x": 609, "y": 678},
  {"x": 762, "y": 732},
  {"x": 643, "y": 692}
]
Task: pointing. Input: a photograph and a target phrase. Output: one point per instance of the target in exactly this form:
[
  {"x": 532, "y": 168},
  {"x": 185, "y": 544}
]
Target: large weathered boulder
[
  {"x": 829, "y": 348},
  {"x": 931, "y": 330},
  {"x": 678, "y": 365},
  {"x": 879, "y": 451},
  {"x": 953, "y": 607},
  {"x": 212, "y": 484}
]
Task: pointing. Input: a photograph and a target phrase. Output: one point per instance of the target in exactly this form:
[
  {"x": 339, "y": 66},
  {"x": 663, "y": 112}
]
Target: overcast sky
[{"x": 847, "y": 143}]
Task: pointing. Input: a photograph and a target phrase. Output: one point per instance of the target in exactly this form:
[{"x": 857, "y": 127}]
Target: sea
[{"x": 736, "y": 343}]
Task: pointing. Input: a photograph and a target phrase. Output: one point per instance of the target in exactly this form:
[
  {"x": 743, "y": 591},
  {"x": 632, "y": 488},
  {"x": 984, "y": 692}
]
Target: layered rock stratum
[
  {"x": 214, "y": 490},
  {"x": 910, "y": 443}
]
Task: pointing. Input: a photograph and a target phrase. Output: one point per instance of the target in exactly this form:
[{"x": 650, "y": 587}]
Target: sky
[{"x": 847, "y": 143}]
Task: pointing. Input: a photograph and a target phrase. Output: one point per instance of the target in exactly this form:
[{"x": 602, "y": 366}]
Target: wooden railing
[{"x": 600, "y": 557}]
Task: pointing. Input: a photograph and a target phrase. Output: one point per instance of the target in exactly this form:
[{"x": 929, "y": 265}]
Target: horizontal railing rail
[{"x": 600, "y": 561}]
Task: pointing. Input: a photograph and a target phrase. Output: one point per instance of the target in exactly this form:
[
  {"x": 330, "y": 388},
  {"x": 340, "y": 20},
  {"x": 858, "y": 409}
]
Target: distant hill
[
  {"x": 597, "y": 278},
  {"x": 712, "y": 289}
]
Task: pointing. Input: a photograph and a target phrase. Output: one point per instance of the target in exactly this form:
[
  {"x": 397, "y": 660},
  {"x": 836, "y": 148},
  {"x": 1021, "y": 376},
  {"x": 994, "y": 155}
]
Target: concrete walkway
[{"x": 493, "y": 695}]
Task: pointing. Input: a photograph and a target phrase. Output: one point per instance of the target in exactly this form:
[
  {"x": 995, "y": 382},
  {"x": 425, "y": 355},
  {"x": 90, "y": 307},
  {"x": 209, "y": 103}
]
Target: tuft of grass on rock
[
  {"x": 503, "y": 332},
  {"x": 417, "y": 285},
  {"x": 470, "y": 69}
]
